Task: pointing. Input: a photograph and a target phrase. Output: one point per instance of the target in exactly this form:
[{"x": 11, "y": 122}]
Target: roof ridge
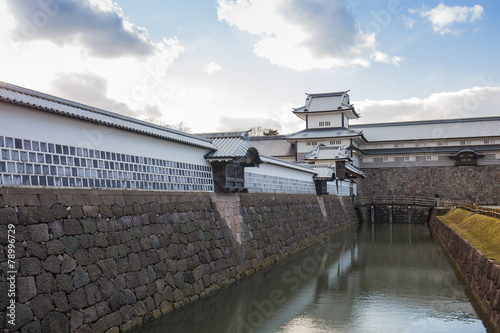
[
  {"x": 427, "y": 122},
  {"x": 62, "y": 101}
]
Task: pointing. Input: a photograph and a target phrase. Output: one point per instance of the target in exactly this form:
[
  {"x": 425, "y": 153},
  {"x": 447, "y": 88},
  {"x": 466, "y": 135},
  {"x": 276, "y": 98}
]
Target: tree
[
  {"x": 180, "y": 126},
  {"x": 271, "y": 132}
]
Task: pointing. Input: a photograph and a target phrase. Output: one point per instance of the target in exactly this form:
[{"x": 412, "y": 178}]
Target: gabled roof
[
  {"x": 46, "y": 103},
  {"x": 431, "y": 129},
  {"x": 325, "y": 133},
  {"x": 327, "y": 102},
  {"x": 232, "y": 147},
  {"x": 323, "y": 172},
  {"x": 466, "y": 151},
  {"x": 351, "y": 169},
  {"x": 273, "y": 145},
  {"x": 322, "y": 152}
]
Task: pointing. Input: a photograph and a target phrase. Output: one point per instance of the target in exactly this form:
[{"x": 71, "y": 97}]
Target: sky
[{"x": 223, "y": 65}]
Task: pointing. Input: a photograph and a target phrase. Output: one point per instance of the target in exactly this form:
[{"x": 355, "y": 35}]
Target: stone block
[
  {"x": 89, "y": 225},
  {"x": 76, "y": 320},
  {"x": 122, "y": 265},
  {"x": 30, "y": 266},
  {"x": 108, "y": 267},
  {"x": 96, "y": 254},
  {"x": 72, "y": 227},
  {"x": 114, "y": 319},
  {"x": 45, "y": 283},
  {"x": 86, "y": 241},
  {"x": 28, "y": 215},
  {"x": 82, "y": 257},
  {"x": 81, "y": 277},
  {"x": 32, "y": 327},
  {"x": 107, "y": 288},
  {"x": 52, "y": 264},
  {"x": 94, "y": 272},
  {"x": 90, "y": 211},
  {"x": 60, "y": 301},
  {"x": 106, "y": 211},
  {"x": 59, "y": 211},
  {"x": 46, "y": 214},
  {"x": 100, "y": 326},
  {"x": 64, "y": 282},
  {"x": 31, "y": 200},
  {"x": 68, "y": 264},
  {"x": 102, "y": 309},
  {"x": 26, "y": 288},
  {"x": 100, "y": 239},
  {"x": 24, "y": 315},
  {"x": 78, "y": 299},
  {"x": 56, "y": 229},
  {"x": 41, "y": 305},
  {"x": 132, "y": 279},
  {"x": 39, "y": 232},
  {"x": 120, "y": 282},
  {"x": 48, "y": 199},
  {"x": 36, "y": 249},
  {"x": 112, "y": 252},
  {"x": 179, "y": 280},
  {"x": 75, "y": 212},
  {"x": 89, "y": 315},
  {"x": 123, "y": 250},
  {"x": 141, "y": 292},
  {"x": 71, "y": 244},
  {"x": 102, "y": 224}
]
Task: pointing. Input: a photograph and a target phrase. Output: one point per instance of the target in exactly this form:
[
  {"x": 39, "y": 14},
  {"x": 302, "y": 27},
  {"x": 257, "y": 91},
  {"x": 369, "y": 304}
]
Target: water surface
[{"x": 370, "y": 278}]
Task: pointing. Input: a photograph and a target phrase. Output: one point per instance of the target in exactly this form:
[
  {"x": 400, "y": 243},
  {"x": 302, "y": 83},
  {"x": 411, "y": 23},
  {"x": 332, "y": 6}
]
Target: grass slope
[{"x": 481, "y": 231}]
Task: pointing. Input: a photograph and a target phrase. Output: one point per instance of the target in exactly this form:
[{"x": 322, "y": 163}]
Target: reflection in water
[{"x": 373, "y": 278}]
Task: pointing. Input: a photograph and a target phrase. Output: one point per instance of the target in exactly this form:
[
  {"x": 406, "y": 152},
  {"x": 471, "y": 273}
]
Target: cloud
[
  {"x": 96, "y": 25},
  {"x": 467, "y": 103},
  {"x": 212, "y": 67},
  {"x": 280, "y": 118},
  {"x": 443, "y": 17},
  {"x": 91, "y": 89},
  {"x": 303, "y": 35}
]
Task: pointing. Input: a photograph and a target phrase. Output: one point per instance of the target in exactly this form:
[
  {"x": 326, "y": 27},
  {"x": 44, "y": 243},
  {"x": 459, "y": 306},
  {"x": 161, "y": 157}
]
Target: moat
[{"x": 369, "y": 278}]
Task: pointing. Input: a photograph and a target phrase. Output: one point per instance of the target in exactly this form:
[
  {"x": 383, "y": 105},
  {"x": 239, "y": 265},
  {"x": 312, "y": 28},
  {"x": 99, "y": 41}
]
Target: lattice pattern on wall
[
  {"x": 272, "y": 184},
  {"x": 422, "y": 161},
  {"x": 34, "y": 163}
]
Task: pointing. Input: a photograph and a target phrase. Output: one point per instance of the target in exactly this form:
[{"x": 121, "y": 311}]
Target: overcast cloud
[{"x": 466, "y": 103}]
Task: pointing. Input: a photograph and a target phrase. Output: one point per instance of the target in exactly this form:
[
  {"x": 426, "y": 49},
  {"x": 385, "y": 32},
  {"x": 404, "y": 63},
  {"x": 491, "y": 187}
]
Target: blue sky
[{"x": 226, "y": 65}]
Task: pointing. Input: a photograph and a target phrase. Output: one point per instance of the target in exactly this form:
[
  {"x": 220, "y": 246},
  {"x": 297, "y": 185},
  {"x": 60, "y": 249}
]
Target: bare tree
[{"x": 180, "y": 126}]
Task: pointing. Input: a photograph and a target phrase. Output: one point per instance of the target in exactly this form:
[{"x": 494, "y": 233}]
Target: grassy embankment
[{"x": 481, "y": 231}]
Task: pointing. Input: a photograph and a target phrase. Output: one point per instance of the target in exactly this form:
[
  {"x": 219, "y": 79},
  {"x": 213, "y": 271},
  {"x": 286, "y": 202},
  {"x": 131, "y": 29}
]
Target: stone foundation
[
  {"x": 99, "y": 260},
  {"x": 480, "y": 273},
  {"x": 472, "y": 184}
]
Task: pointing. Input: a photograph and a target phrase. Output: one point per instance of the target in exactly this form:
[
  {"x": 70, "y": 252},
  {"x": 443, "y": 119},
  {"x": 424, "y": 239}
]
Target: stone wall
[
  {"x": 481, "y": 274},
  {"x": 400, "y": 214},
  {"x": 107, "y": 260},
  {"x": 473, "y": 184}
]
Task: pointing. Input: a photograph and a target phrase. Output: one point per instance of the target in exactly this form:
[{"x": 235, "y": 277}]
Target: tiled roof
[
  {"x": 324, "y": 171},
  {"x": 326, "y": 153},
  {"x": 431, "y": 130},
  {"x": 354, "y": 170},
  {"x": 231, "y": 145},
  {"x": 297, "y": 166},
  {"x": 324, "y": 102},
  {"x": 273, "y": 145},
  {"x": 47, "y": 103},
  {"x": 317, "y": 133}
]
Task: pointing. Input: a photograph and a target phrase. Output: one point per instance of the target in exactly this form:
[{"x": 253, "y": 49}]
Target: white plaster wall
[
  {"x": 335, "y": 120},
  {"x": 280, "y": 171},
  {"x": 25, "y": 123}
]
